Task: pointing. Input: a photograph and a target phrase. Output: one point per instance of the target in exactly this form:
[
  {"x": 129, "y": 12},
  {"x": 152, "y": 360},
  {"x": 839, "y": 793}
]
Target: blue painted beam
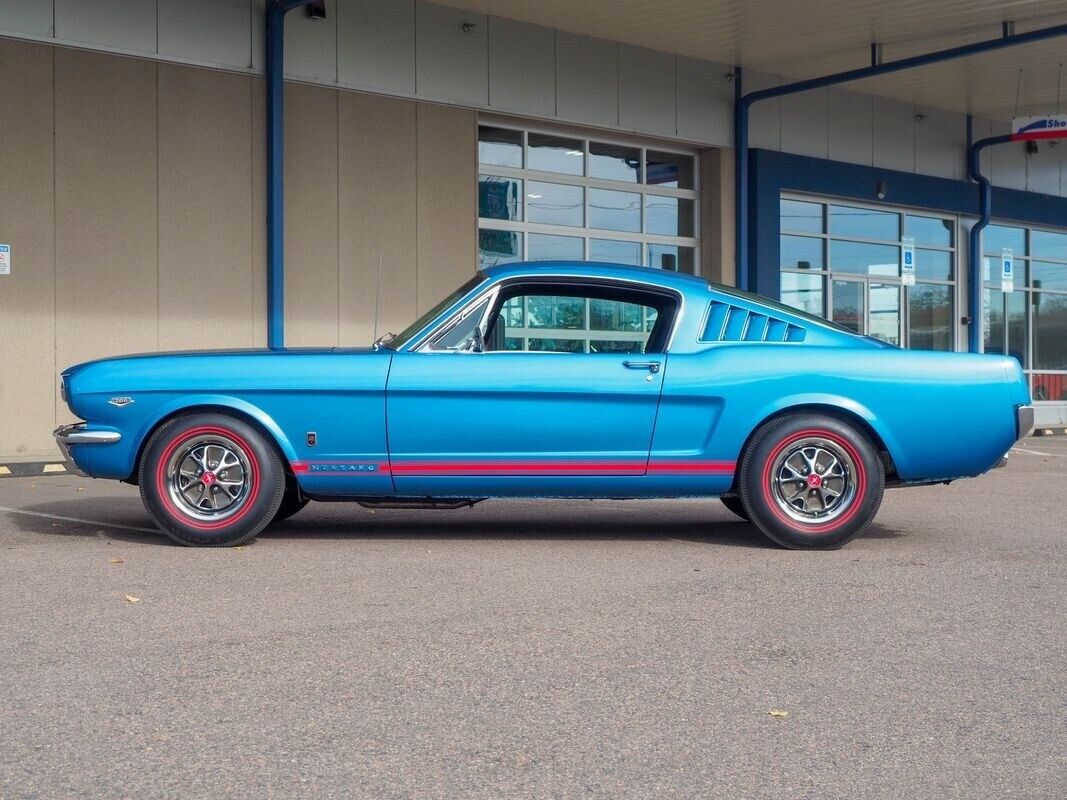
[
  {"x": 744, "y": 105},
  {"x": 275, "y": 64}
]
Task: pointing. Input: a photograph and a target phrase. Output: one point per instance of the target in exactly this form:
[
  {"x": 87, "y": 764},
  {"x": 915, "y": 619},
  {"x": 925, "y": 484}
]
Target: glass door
[
  {"x": 849, "y": 304},
  {"x": 871, "y": 307}
]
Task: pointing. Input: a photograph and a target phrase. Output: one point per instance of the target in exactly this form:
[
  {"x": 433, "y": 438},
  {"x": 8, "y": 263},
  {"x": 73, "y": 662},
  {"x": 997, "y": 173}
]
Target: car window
[
  {"x": 462, "y": 335},
  {"x": 575, "y": 322},
  {"x": 411, "y": 330}
]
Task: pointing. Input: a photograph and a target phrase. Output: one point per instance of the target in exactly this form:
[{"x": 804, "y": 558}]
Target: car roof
[{"x": 595, "y": 269}]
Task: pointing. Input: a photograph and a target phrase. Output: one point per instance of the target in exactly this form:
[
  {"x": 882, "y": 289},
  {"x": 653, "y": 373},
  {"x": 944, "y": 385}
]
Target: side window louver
[{"x": 729, "y": 323}]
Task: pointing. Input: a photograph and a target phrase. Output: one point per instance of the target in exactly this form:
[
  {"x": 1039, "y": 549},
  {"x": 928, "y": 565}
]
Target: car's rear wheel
[
  {"x": 211, "y": 480},
  {"x": 734, "y": 504},
  {"x": 811, "y": 481}
]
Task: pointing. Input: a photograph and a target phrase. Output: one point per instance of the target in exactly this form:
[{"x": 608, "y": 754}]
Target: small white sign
[
  {"x": 5, "y": 259},
  {"x": 907, "y": 261},
  {"x": 1048, "y": 126},
  {"x": 1007, "y": 270}
]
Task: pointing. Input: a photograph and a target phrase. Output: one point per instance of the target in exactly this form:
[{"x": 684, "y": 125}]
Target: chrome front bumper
[
  {"x": 1024, "y": 421},
  {"x": 66, "y": 435}
]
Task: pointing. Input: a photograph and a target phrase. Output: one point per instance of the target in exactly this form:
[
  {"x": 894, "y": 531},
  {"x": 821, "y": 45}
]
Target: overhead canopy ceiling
[{"x": 807, "y": 38}]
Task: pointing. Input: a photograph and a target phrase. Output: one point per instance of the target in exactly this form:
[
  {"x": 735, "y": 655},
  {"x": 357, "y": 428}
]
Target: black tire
[
  {"x": 733, "y": 502},
  {"x": 292, "y": 502},
  {"x": 211, "y": 480},
  {"x": 803, "y": 512}
]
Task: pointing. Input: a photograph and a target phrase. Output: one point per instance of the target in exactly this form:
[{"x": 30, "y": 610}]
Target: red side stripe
[{"x": 528, "y": 468}]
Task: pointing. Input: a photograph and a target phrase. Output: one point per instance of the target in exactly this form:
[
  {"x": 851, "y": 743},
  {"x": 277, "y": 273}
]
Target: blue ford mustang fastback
[{"x": 551, "y": 380}]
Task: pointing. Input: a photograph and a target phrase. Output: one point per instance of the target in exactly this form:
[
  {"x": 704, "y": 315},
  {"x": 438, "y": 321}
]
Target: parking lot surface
[{"x": 538, "y": 649}]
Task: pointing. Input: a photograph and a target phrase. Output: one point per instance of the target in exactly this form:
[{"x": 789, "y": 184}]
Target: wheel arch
[{"x": 229, "y": 406}]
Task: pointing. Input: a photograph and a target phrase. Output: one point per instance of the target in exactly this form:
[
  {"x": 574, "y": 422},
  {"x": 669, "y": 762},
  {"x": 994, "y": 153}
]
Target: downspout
[
  {"x": 742, "y": 108},
  {"x": 275, "y": 62},
  {"x": 974, "y": 252}
]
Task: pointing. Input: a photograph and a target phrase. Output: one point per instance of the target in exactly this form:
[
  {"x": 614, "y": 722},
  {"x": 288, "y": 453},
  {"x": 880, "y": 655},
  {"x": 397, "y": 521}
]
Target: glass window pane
[
  {"x": 549, "y": 311},
  {"x": 930, "y": 316},
  {"x": 996, "y": 237},
  {"x": 848, "y": 305},
  {"x": 498, "y": 247},
  {"x": 1046, "y": 275},
  {"x": 615, "y": 252},
  {"x": 616, "y": 346},
  {"x": 614, "y": 211},
  {"x": 1050, "y": 386},
  {"x": 803, "y": 292},
  {"x": 669, "y": 216},
  {"x": 1050, "y": 330},
  {"x": 499, "y": 198},
  {"x": 557, "y": 345},
  {"x": 614, "y": 315},
  {"x": 1016, "y": 303},
  {"x": 864, "y": 223},
  {"x": 885, "y": 312},
  {"x": 801, "y": 252},
  {"x": 614, "y": 162},
  {"x": 555, "y": 154},
  {"x": 669, "y": 169},
  {"x": 800, "y": 216},
  {"x": 500, "y": 147},
  {"x": 672, "y": 257},
  {"x": 459, "y": 336},
  {"x": 993, "y": 310},
  {"x": 930, "y": 230},
  {"x": 1048, "y": 244},
  {"x": 543, "y": 247},
  {"x": 934, "y": 264},
  {"x": 865, "y": 259},
  {"x": 554, "y": 203}
]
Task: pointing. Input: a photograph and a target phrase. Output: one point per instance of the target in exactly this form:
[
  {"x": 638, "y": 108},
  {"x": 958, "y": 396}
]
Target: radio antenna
[{"x": 377, "y": 295}]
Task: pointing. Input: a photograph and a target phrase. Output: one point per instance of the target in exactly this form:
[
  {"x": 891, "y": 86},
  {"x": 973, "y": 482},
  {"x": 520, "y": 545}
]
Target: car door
[{"x": 540, "y": 389}]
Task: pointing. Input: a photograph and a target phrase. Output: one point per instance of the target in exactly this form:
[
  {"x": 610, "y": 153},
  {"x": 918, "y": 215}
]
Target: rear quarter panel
[{"x": 940, "y": 415}]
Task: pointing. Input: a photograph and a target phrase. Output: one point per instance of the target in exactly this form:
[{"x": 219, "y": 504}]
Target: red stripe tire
[
  {"x": 211, "y": 480},
  {"x": 811, "y": 481}
]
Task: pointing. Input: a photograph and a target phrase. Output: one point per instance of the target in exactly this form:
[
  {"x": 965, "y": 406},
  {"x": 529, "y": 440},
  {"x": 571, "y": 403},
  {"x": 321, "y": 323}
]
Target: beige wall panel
[
  {"x": 27, "y": 295},
  {"x": 106, "y": 247},
  {"x": 717, "y": 217},
  {"x": 205, "y": 209},
  {"x": 259, "y": 212},
  {"x": 311, "y": 292},
  {"x": 377, "y": 215},
  {"x": 447, "y": 205}
]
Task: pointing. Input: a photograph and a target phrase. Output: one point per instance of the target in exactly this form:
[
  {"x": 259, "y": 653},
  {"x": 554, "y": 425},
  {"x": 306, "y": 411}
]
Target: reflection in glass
[
  {"x": 555, "y": 154},
  {"x": 614, "y": 211},
  {"x": 546, "y": 311},
  {"x": 498, "y": 247},
  {"x": 1048, "y": 244},
  {"x": 996, "y": 237},
  {"x": 864, "y": 223},
  {"x": 545, "y": 247},
  {"x": 1016, "y": 305},
  {"x": 1050, "y": 330},
  {"x": 803, "y": 292},
  {"x": 556, "y": 345},
  {"x": 993, "y": 321},
  {"x": 1050, "y": 386},
  {"x": 801, "y": 252},
  {"x": 614, "y": 315},
  {"x": 554, "y": 203},
  {"x": 616, "y": 346},
  {"x": 930, "y": 317},
  {"x": 885, "y": 312},
  {"x": 848, "y": 305},
  {"x": 669, "y": 169},
  {"x": 500, "y": 147},
  {"x": 864, "y": 259},
  {"x": 668, "y": 216},
  {"x": 797, "y": 215},
  {"x": 614, "y": 162},
  {"x": 1047, "y": 275},
  {"x": 933, "y": 264},
  {"x": 499, "y": 198},
  {"x": 672, "y": 257},
  {"x": 930, "y": 230},
  {"x": 615, "y": 252}
]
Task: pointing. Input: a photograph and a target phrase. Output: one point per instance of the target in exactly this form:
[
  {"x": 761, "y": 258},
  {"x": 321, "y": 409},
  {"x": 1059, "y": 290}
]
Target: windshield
[{"x": 409, "y": 332}]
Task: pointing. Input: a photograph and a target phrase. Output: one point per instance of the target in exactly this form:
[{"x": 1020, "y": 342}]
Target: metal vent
[{"x": 729, "y": 323}]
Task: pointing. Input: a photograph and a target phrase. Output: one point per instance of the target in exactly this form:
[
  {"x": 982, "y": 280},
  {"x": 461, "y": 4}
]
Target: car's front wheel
[
  {"x": 811, "y": 481},
  {"x": 211, "y": 480}
]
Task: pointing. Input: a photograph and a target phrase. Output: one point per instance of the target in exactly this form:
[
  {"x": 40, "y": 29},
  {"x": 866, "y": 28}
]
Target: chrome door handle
[{"x": 651, "y": 366}]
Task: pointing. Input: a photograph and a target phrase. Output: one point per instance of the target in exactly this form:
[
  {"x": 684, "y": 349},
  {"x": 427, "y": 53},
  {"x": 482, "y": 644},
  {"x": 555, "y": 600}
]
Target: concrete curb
[
  {"x": 1050, "y": 432},
  {"x": 31, "y": 469}
]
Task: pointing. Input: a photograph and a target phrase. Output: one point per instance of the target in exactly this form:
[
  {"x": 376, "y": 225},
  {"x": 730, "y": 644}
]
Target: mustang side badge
[{"x": 120, "y": 401}]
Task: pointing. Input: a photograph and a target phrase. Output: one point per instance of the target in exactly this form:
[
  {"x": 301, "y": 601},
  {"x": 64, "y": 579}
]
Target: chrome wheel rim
[
  {"x": 208, "y": 478},
  {"x": 813, "y": 480}
]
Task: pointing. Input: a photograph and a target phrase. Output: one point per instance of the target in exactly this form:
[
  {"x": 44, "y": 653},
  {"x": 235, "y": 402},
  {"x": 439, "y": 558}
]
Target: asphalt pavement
[{"x": 538, "y": 650}]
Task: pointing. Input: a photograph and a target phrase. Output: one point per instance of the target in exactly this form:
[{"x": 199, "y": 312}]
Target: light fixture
[
  {"x": 575, "y": 153},
  {"x": 468, "y": 27},
  {"x": 534, "y": 196},
  {"x": 881, "y": 190}
]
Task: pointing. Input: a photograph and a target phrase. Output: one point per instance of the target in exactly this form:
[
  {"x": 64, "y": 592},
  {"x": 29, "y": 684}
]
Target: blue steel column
[
  {"x": 275, "y": 42},
  {"x": 974, "y": 252},
  {"x": 744, "y": 105}
]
